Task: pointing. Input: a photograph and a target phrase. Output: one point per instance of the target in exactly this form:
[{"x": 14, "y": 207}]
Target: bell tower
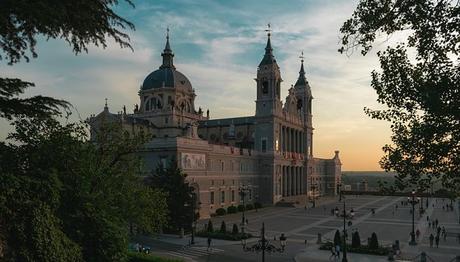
[{"x": 268, "y": 83}]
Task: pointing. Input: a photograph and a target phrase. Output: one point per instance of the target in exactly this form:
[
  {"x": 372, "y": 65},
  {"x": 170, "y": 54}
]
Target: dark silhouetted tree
[{"x": 420, "y": 92}]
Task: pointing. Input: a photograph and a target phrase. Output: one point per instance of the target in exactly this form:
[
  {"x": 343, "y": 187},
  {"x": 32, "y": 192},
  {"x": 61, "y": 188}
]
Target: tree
[
  {"x": 421, "y": 93},
  {"x": 235, "y": 229},
  {"x": 173, "y": 181},
  {"x": 374, "y": 242},
  {"x": 337, "y": 238},
  {"x": 79, "y": 23},
  {"x": 210, "y": 226},
  {"x": 223, "y": 227},
  {"x": 355, "y": 240},
  {"x": 63, "y": 198}
]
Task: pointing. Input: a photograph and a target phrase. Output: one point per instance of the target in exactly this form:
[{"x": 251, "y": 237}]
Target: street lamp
[
  {"x": 339, "y": 188},
  {"x": 313, "y": 189},
  {"x": 242, "y": 192},
  {"x": 413, "y": 201},
  {"x": 344, "y": 258},
  {"x": 193, "y": 197},
  {"x": 264, "y": 245}
]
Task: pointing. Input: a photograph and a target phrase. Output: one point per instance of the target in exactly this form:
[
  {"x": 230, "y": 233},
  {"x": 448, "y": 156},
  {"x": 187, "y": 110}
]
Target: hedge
[
  {"x": 232, "y": 210},
  {"x": 249, "y": 207},
  {"x": 223, "y": 236},
  {"x": 221, "y": 212},
  {"x": 240, "y": 208},
  {"x": 363, "y": 249}
]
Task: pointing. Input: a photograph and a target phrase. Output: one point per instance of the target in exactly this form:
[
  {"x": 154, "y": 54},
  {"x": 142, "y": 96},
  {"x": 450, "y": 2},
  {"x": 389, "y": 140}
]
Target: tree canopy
[
  {"x": 419, "y": 83},
  {"x": 75, "y": 196},
  {"x": 79, "y": 23}
]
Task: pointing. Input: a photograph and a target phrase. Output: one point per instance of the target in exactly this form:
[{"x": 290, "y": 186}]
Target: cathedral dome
[{"x": 166, "y": 77}]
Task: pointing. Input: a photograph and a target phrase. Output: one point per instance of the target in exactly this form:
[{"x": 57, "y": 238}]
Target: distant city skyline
[{"x": 218, "y": 45}]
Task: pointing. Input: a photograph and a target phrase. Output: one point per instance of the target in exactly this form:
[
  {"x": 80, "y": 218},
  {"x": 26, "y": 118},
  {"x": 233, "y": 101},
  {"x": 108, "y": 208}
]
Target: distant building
[{"x": 269, "y": 154}]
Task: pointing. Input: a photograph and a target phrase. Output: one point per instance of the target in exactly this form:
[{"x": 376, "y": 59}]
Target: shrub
[
  {"x": 235, "y": 229},
  {"x": 240, "y": 208},
  {"x": 374, "y": 242},
  {"x": 363, "y": 249},
  {"x": 355, "y": 240},
  {"x": 231, "y": 210},
  {"x": 337, "y": 238},
  {"x": 223, "y": 227},
  {"x": 221, "y": 212},
  {"x": 210, "y": 227},
  {"x": 257, "y": 205},
  {"x": 249, "y": 207},
  {"x": 224, "y": 236}
]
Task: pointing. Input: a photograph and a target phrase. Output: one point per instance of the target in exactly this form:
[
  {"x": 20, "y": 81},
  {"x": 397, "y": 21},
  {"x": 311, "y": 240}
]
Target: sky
[{"x": 218, "y": 45}]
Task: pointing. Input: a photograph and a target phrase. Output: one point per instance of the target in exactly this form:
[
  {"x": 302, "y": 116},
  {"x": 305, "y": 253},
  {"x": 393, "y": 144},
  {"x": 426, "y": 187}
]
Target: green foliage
[
  {"x": 355, "y": 240},
  {"x": 181, "y": 201},
  {"x": 223, "y": 227},
  {"x": 141, "y": 257},
  {"x": 240, "y": 208},
  {"x": 221, "y": 212},
  {"x": 231, "y": 210},
  {"x": 374, "y": 242},
  {"x": 363, "y": 249},
  {"x": 65, "y": 199},
  {"x": 249, "y": 207},
  {"x": 223, "y": 236},
  {"x": 337, "y": 238},
  {"x": 210, "y": 226},
  {"x": 257, "y": 205},
  {"x": 235, "y": 229},
  {"x": 421, "y": 94},
  {"x": 22, "y": 21}
]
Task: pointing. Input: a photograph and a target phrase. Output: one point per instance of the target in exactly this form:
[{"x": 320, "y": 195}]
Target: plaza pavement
[{"x": 389, "y": 223}]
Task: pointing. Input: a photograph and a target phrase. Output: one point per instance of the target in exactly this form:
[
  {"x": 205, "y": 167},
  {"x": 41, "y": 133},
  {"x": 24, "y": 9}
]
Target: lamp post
[
  {"x": 264, "y": 245},
  {"x": 344, "y": 258},
  {"x": 413, "y": 201},
  {"x": 193, "y": 206},
  {"x": 313, "y": 190},
  {"x": 242, "y": 192},
  {"x": 339, "y": 188}
]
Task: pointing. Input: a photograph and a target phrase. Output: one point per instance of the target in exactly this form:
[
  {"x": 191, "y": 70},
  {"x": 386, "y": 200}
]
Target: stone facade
[{"x": 269, "y": 154}]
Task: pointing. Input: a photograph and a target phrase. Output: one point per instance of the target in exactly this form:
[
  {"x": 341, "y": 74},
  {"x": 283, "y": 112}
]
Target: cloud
[{"x": 218, "y": 46}]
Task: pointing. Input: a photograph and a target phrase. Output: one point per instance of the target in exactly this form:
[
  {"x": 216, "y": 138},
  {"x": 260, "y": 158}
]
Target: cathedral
[{"x": 268, "y": 155}]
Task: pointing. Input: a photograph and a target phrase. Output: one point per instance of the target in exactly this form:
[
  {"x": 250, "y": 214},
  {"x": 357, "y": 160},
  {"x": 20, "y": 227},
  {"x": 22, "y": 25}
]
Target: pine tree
[
  {"x": 210, "y": 226},
  {"x": 223, "y": 227},
  {"x": 235, "y": 229}
]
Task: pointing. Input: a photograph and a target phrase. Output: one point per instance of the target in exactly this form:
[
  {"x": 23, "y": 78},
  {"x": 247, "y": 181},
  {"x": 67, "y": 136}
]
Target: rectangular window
[
  {"x": 222, "y": 196},
  {"x": 212, "y": 198},
  {"x": 233, "y": 195},
  {"x": 264, "y": 145},
  {"x": 223, "y": 166}
]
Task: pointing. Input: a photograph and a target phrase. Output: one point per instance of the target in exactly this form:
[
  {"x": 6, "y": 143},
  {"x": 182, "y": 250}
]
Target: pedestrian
[
  {"x": 431, "y": 240},
  {"x": 438, "y": 231},
  {"x": 429, "y": 224},
  {"x": 417, "y": 233},
  {"x": 333, "y": 254},
  {"x": 427, "y": 218},
  {"x": 437, "y": 222},
  {"x": 437, "y": 241},
  {"x": 305, "y": 243},
  {"x": 247, "y": 222},
  {"x": 337, "y": 251},
  {"x": 209, "y": 243}
]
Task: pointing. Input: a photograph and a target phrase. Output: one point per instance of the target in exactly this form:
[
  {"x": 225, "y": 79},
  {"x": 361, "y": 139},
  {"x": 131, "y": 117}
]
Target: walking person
[
  {"x": 436, "y": 239},
  {"x": 333, "y": 254},
  {"x": 431, "y": 240},
  {"x": 337, "y": 251},
  {"x": 437, "y": 222},
  {"x": 209, "y": 243},
  {"x": 417, "y": 233}
]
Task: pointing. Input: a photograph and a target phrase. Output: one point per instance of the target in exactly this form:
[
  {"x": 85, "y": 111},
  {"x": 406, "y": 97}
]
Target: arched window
[
  {"x": 299, "y": 104},
  {"x": 153, "y": 104},
  {"x": 265, "y": 87}
]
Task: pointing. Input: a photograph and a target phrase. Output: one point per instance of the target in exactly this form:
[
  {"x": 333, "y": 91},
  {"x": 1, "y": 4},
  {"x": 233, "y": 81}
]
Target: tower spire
[
  {"x": 268, "y": 57},
  {"x": 268, "y": 48},
  {"x": 167, "y": 54},
  {"x": 302, "y": 80}
]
